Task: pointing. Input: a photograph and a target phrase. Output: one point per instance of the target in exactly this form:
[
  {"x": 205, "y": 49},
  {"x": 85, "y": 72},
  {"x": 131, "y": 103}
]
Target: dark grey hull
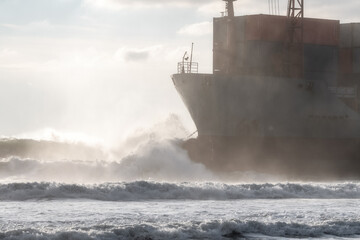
[
  {"x": 265, "y": 106},
  {"x": 271, "y": 125},
  {"x": 292, "y": 158}
]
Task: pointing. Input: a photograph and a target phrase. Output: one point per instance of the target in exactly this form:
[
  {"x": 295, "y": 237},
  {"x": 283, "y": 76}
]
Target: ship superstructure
[{"x": 282, "y": 87}]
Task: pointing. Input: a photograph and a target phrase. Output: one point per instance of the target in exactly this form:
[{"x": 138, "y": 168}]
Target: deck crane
[
  {"x": 295, "y": 42},
  {"x": 231, "y": 38},
  {"x": 295, "y": 13},
  {"x": 293, "y": 51}
]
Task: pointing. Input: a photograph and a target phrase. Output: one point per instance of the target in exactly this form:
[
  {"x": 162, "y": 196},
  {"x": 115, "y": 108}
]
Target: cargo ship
[{"x": 283, "y": 97}]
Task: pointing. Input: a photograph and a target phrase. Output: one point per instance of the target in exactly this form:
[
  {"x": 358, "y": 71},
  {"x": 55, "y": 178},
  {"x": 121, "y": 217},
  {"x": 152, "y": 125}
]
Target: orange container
[
  {"x": 266, "y": 28},
  {"x": 321, "y": 31},
  {"x": 345, "y": 60},
  {"x": 275, "y": 28}
]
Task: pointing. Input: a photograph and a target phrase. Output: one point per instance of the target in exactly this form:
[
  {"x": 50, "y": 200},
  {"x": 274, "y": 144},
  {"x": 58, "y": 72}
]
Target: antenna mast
[
  {"x": 296, "y": 15},
  {"x": 231, "y": 37},
  {"x": 229, "y": 8},
  {"x": 295, "y": 44}
]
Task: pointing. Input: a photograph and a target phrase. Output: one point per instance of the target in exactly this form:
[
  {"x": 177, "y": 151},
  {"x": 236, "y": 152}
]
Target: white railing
[{"x": 188, "y": 67}]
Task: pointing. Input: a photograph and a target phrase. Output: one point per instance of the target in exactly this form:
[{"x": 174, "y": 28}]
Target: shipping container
[
  {"x": 240, "y": 55},
  {"x": 346, "y": 35},
  {"x": 219, "y": 61},
  {"x": 272, "y": 59},
  {"x": 220, "y": 54},
  {"x": 294, "y": 61},
  {"x": 252, "y": 54},
  {"x": 319, "y": 58},
  {"x": 355, "y": 34},
  {"x": 253, "y": 27},
  {"x": 263, "y": 57},
  {"x": 219, "y": 44},
  {"x": 356, "y": 60},
  {"x": 321, "y": 31},
  {"x": 345, "y": 61},
  {"x": 261, "y": 47},
  {"x": 275, "y": 28},
  {"x": 266, "y": 28},
  {"x": 220, "y": 30},
  {"x": 350, "y": 35},
  {"x": 240, "y": 28}
]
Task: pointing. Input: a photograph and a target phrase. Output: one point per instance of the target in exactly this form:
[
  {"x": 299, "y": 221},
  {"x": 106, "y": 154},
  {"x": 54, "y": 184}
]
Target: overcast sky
[{"x": 102, "y": 67}]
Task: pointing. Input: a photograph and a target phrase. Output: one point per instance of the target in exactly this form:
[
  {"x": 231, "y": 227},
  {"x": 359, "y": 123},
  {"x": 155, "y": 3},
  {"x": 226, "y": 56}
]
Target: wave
[
  {"x": 157, "y": 161},
  {"x": 52, "y": 145},
  {"x": 48, "y": 149},
  {"x": 234, "y": 229},
  {"x": 147, "y": 154},
  {"x": 142, "y": 190}
]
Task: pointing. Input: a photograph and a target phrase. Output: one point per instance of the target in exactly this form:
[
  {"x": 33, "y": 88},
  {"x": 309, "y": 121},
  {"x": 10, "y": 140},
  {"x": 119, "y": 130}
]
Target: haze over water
[
  {"x": 148, "y": 188},
  {"x": 92, "y": 129}
]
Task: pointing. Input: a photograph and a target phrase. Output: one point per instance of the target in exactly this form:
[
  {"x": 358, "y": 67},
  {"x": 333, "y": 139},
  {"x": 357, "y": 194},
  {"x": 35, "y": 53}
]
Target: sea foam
[
  {"x": 142, "y": 190},
  {"x": 234, "y": 229},
  {"x": 145, "y": 154}
]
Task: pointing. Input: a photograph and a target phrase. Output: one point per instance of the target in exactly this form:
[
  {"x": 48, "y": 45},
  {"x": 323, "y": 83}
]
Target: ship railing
[
  {"x": 188, "y": 67},
  {"x": 343, "y": 92}
]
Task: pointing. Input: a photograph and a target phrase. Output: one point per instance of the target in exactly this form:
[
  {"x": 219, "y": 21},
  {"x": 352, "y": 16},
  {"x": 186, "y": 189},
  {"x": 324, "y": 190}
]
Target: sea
[{"x": 149, "y": 189}]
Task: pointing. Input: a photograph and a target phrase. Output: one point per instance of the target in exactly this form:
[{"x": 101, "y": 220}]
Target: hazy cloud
[
  {"x": 196, "y": 29},
  {"x": 120, "y": 4},
  {"x": 5, "y": 52},
  {"x": 136, "y": 54},
  {"x": 40, "y": 25}
]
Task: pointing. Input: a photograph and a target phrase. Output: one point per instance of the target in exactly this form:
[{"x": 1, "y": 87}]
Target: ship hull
[
  {"x": 271, "y": 125},
  {"x": 291, "y": 158}
]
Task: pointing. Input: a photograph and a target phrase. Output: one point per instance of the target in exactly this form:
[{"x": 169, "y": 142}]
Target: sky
[{"x": 101, "y": 68}]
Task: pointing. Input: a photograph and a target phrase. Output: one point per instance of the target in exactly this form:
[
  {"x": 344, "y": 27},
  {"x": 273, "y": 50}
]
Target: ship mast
[
  {"x": 296, "y": 15},
  {"x": 295, "y": 44},
  {"x": 231, "y": 37},
  {"x": 229, "y": 7}
]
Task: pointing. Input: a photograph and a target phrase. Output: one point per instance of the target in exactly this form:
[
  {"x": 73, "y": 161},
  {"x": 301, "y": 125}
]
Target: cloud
[
  {"x": 6, "y": 52},
  {"x": 332, "y": 9},
  {"x": 120, "y": 4},
  {"x": 212, "y": 8},
  {"x": 196, "y": 29},
  {"x": 44, "y": 27},
  {"x": 136, "y": 54},
  {"x": 39, "y": 25}
]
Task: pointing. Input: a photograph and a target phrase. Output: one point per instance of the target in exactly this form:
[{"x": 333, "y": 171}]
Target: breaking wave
[
  {"x": 142, "y": 190},
  {"x": 234, "y": 229},
  {"x": 146, "y": 154},
  {"x": 164, "y": 161}
]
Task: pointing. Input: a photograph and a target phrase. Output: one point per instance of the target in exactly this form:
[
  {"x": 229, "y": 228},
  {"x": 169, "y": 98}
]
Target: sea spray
[
  {"x": 143, "y": 190},
  {"x": 156, "y": 160},
  {"x": 153, "y": 153},
  {"x": 216, "y": 230},
  {"x": 249, "y": 219},
  {"x": 163, "y": 161}
]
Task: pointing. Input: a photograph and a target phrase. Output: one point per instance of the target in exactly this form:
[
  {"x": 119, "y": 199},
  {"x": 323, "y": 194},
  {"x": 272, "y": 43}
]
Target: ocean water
[
  {"x": 148, "y": 189},
  {"x": 153, "y": 210}
]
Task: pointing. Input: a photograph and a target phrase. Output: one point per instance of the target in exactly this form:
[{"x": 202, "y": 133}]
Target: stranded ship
[{"x": 282, "y": 98}]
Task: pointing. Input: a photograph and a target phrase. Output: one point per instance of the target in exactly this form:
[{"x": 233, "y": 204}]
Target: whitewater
[{"x": 147, "y": 189}]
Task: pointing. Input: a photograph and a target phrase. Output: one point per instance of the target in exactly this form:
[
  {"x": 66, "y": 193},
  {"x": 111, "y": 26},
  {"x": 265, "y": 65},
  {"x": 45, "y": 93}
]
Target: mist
[
  {"x": 104, "y": 135},
  {"x": 80, "y": 87},
  {"x": 153, "y": 153}
]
